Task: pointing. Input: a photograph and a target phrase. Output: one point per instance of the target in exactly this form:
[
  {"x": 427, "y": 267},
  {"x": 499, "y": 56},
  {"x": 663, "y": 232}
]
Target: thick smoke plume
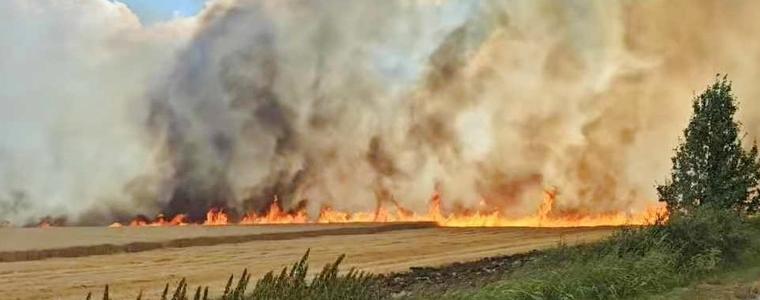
[{"x": 355, "y": 104}]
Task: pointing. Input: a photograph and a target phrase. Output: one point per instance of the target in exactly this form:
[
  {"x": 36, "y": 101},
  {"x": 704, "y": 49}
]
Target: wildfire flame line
[{"x": 543, "y": 218}]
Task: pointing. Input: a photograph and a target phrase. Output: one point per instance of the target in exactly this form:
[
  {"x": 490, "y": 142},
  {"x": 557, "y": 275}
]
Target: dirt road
[{"x": 128, "y": 273}]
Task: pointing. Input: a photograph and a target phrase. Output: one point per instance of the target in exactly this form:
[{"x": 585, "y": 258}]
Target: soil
[{"x": 430, "y": 281}]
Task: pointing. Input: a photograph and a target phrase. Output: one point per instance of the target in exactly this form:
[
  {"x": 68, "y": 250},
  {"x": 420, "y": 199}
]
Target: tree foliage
[{"x": 711, "y": 167}]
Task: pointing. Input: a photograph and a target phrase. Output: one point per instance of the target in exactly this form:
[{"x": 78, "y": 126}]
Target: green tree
[{"x": 711, "y": 168}]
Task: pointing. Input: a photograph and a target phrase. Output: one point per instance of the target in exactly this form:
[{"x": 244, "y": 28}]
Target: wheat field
[{"x": 374, "y": 248}]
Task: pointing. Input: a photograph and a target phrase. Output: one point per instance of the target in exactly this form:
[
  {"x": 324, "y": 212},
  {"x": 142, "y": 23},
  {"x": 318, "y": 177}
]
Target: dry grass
[{"x": 328, "y": 284}]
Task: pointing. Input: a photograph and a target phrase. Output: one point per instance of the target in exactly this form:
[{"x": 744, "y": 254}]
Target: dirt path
[{"x": 128, "y": 273}]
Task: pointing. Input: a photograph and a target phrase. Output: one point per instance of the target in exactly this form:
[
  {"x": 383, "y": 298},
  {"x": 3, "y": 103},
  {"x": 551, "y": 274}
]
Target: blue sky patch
[{"x": 154, "y": 11}]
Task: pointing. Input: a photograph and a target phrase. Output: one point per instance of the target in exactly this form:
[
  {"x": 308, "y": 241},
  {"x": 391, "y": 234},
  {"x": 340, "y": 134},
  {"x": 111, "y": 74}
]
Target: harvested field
[
  {"x": 38, "y": 243},
  {"x": 64, "y": 237},
  {"x": 375, "y": 248}
]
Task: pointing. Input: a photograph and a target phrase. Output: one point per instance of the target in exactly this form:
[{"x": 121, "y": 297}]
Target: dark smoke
[{"x": 353, "y": 104}]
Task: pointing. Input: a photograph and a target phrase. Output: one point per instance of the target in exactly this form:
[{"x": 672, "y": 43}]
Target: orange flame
[
  {"x": 545, "y": 216},
  {"x": 48, "y": 222},
  {"x": 216, "y": 217},
  {"x": 275, "y": 215},
  {"x": 160, "y": 220}
]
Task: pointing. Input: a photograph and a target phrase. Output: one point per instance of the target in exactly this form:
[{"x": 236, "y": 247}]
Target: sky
[{"x": 153, "y": 11}]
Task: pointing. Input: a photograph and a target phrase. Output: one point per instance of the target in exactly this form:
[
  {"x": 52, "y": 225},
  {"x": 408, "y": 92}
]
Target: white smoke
[
  {"x": 348, "y": 103},
  {"x": 72, "y": 80}
]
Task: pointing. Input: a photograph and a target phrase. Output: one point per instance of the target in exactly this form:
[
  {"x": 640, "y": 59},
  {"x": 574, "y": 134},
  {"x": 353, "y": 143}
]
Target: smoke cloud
[
  {"x": 72, "y": 80},
  {"x": 353, "y": 104}
]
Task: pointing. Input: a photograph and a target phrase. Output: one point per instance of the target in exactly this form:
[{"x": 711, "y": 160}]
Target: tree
[{"x": 711, "y": 168}]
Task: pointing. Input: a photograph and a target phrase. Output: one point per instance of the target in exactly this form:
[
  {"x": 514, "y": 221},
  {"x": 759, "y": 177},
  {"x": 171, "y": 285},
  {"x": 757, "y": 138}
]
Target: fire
[
  {"x": 48, "y": 222},
  {"x": 179, "y": 220},
  {"x": 216, "y": 217},
  {"x": 545, "y": 216},
  {"x": 276, "y": 215},
  {"x": 160, "y": 220}
]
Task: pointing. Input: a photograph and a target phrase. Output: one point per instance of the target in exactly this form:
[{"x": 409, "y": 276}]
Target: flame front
[
  {"x": 546, "y": 216},
  {"x": 216, "y": 217},
  {"x": 275, "y": 215},
  {"x": 160, "y": 220}
]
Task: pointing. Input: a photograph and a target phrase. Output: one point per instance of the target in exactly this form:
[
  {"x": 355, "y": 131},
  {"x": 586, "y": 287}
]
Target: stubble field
[{"x": 66, "y": 263}]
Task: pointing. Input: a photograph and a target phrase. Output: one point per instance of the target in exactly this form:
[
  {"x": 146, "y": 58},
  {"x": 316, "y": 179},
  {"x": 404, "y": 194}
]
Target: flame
[
  {"x": 48, "y": 222},
  {"x": 276, "y": 215},
  {"x": 216, "y": 217},
  {"x": 546, "y": 215},
  {"x": 160, "y": 220},
  {"x": 179, "y": 220}
]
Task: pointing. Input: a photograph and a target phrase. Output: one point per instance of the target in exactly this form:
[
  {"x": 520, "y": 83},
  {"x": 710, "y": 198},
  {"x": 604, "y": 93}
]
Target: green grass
[
  {"x": 735, "y": 283},
  {"x": 634, "y": 262},
  {"x": 577, "y": 273}
]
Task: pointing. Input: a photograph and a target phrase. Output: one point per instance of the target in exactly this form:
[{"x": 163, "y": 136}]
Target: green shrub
[{"x": 708, "y": 231}]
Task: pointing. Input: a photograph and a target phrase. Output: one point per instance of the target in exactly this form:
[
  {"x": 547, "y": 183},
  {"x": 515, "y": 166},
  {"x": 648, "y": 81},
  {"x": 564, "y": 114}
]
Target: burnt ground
[{"x": 431, "y": 281}]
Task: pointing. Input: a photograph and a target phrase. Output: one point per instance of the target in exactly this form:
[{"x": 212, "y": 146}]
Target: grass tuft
[{"x": 290, "y": 283}]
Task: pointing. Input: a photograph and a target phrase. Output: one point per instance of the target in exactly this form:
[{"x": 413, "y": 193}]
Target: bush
[{"x": 708, "y": 233}]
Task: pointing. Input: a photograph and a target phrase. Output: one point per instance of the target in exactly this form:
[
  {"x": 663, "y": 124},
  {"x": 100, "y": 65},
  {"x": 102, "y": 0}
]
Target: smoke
[
  {"x": 72, "y": 79},
  {"x": 355, "y": 104}
]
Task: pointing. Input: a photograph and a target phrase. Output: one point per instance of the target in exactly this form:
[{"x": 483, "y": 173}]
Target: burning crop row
[{"x": 546, "y": 216}]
